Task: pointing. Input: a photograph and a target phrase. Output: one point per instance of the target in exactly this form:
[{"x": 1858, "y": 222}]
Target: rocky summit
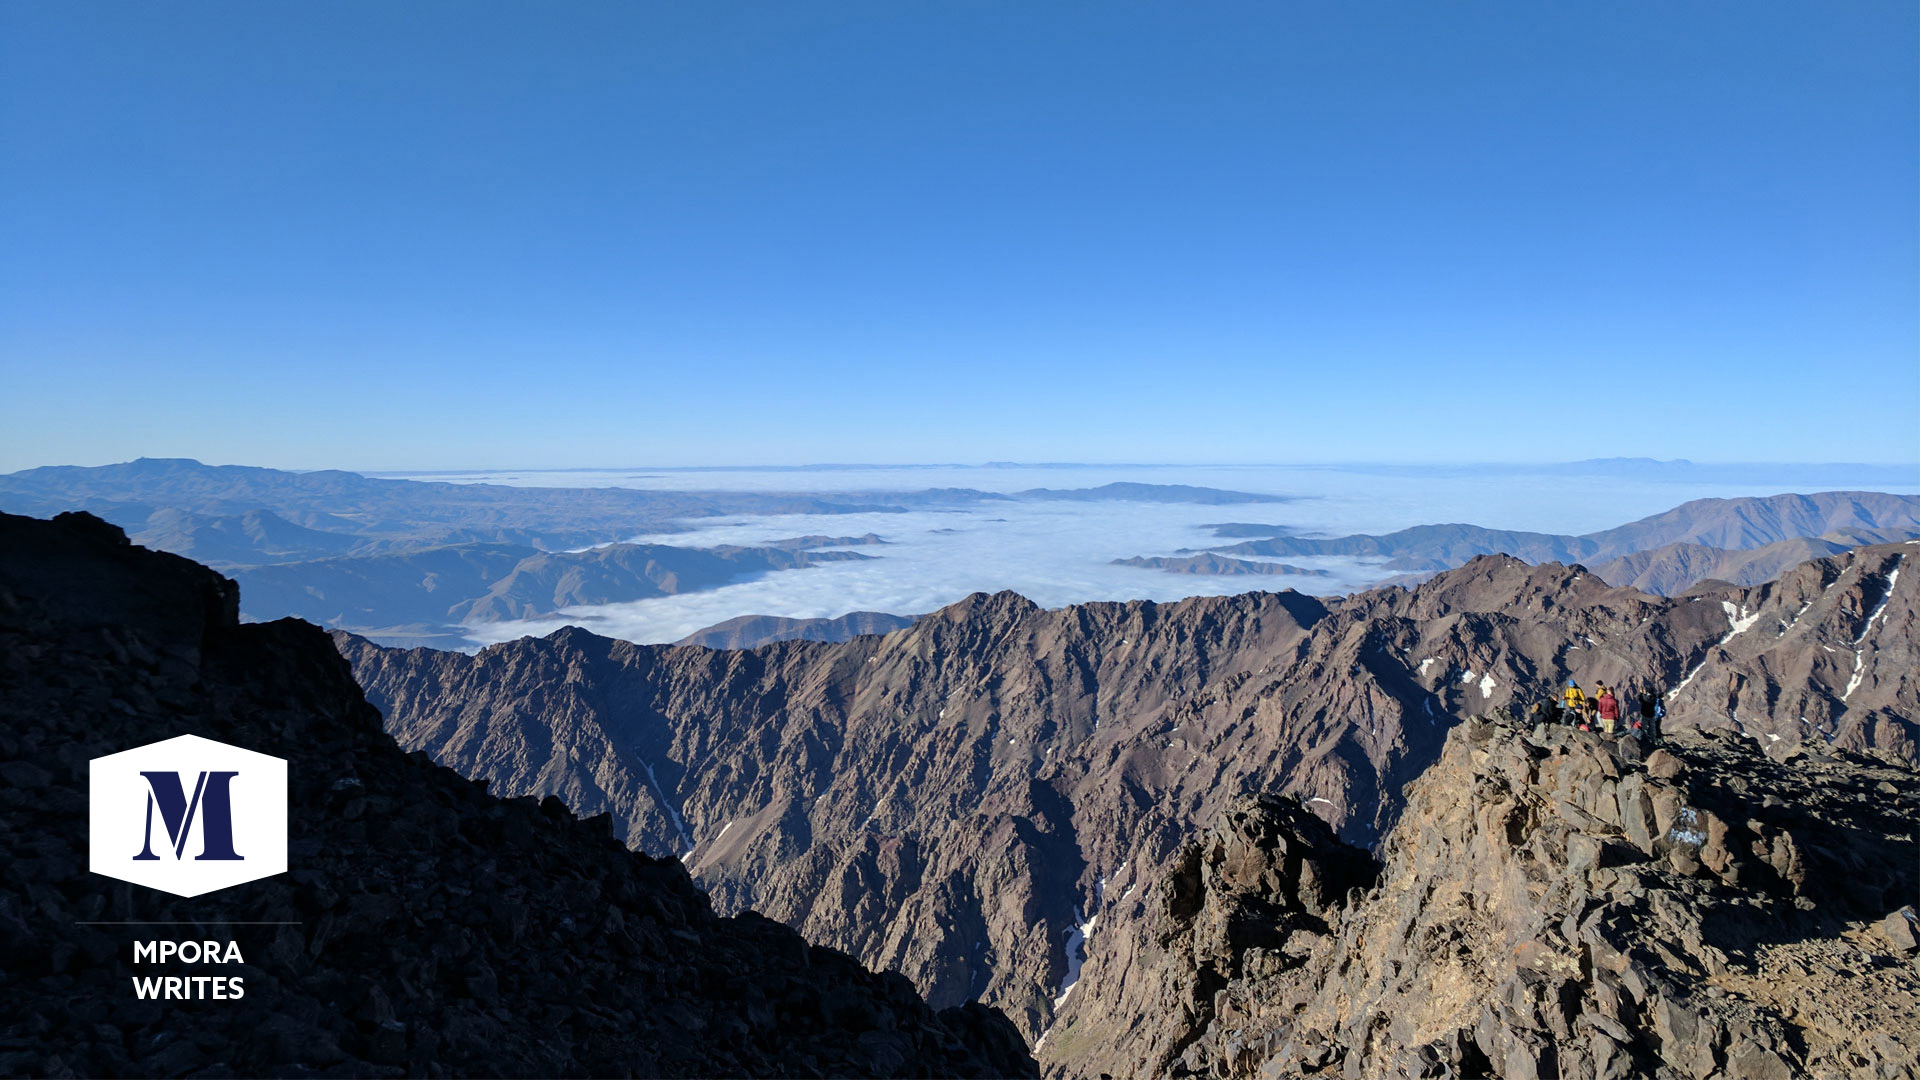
[
  {"x": 425, "y": 928},
  {"x": 1551, "y": 903}
]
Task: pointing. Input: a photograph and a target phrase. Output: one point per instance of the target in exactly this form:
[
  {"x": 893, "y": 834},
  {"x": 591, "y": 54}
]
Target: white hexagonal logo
[{"x": 187, "y": 815}]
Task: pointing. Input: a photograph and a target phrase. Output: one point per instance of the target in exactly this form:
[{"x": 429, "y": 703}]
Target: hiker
[
  {"x": 1576, "y": 701},
  {"x": 1609, "y": 710},
  {"x": 1651, "y": 710}
]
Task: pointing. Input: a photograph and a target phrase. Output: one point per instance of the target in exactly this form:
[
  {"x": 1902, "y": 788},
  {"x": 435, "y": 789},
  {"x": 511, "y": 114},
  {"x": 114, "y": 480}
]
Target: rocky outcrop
[
  {"x": 1550, "y": 905},
  {"x": 425, "y": 927},
  {"x": 979, "y": 801}
]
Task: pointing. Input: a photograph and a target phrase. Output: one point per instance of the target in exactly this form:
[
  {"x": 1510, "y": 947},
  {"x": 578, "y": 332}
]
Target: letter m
[{"x": 212, "y": 803}]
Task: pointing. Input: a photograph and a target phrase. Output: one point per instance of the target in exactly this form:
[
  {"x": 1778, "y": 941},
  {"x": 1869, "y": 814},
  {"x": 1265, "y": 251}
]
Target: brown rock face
[
  {"x": 981, "y": 801},
  {"x": 429, "y": 927},
  {"x": 1546, "y": 907}
]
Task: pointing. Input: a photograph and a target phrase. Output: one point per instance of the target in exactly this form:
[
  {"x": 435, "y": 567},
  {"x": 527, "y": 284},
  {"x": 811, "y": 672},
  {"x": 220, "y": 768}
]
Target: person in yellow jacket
[{"x": 1576, "y": 704}]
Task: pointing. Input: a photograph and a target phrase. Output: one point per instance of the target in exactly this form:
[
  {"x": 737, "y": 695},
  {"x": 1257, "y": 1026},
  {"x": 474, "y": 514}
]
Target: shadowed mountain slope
[
  {"x": 956, "y": 800},
  {"x": 425, "y": 926}
]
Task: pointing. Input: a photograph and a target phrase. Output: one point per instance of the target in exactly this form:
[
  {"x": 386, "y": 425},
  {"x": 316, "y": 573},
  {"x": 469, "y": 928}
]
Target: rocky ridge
[
  {"x": 967, "y": 800},
  {"x": 1675, "y": 568},
  {"x": 430, "y": 928},
  {"x": 1550, "y": 904}
]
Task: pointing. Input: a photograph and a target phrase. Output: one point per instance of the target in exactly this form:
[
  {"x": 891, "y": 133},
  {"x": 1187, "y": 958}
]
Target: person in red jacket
[{"x": 1609, "y": 710}]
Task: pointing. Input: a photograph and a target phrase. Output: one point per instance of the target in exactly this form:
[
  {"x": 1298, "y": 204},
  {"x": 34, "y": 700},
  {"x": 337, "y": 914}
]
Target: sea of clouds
[{"x": 1061, "y": 552}]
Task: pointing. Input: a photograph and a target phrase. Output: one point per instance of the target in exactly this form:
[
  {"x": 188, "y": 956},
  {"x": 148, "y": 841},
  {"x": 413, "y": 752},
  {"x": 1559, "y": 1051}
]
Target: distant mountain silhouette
[
  {"x": 1735, "y": 524},
  {"x": 1160, "y": 493},
  {"x": 753, "y": 631},
  {"x": 421, "y": 597},
  {"x": 1211, "y": 564},
  {"x": 400, "y": 514},
  {"x": 246, "y": 539},
  {"x": 548, "y": 581}
]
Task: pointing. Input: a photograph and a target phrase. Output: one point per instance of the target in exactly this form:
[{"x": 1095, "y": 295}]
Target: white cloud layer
[{"x": 1059, "y": 553}]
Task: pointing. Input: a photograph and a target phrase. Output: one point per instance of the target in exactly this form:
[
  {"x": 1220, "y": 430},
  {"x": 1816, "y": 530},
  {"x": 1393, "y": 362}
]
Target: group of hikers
[{"x": 1606, "y": 711}]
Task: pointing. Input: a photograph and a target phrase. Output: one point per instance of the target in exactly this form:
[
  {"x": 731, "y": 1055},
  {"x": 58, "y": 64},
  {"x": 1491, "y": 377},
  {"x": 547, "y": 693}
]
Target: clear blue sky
[{"x": 470, "y": 234}]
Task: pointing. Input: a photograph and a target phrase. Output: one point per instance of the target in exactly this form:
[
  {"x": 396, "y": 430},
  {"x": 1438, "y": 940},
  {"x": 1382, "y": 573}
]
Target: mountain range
[
  {"x": 1670, "y": 545},
  {"x": 182, "y": 505},
  {"x": 410, "y": 562},
  {"x": 1176, "y": 839},
  {"x": 958, "y": 800}
]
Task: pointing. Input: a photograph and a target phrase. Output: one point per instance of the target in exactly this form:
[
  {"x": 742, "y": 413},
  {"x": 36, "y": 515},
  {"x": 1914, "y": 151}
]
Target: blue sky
[{"x": 446, "y": 235}]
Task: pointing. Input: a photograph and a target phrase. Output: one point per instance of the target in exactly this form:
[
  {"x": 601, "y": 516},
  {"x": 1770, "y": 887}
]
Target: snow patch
[
  {"x": 1424, "y": 665},
  {"x": 1738, "y": 619},
  {"x": 1468, "y": 677},
  {"x": 1486, "y": 686},
  {"x": 673, "y": 811},
  {"x": 1859, "y": 654},
  {"x": 1076, "y": 953}
]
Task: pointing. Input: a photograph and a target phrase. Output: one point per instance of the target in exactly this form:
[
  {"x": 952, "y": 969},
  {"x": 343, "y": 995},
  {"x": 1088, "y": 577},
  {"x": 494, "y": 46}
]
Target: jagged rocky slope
[
  {"x": 960, "y": 801},
  {"x": 435, "y": 929},
  {"x": 1547, "y": 906}
]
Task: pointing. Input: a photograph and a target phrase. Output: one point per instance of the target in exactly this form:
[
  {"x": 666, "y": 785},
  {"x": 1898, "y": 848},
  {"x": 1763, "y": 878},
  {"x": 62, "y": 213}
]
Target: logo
[{"x": 187, "y": 815}]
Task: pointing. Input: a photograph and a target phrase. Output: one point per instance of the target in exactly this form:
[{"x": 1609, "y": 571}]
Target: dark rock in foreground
[{"x": 435, "y": 929}]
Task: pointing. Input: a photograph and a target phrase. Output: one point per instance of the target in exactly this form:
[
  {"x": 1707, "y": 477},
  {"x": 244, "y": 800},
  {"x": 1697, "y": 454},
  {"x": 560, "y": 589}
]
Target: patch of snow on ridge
[
  {"x": 1076, "y": 953},
  {"x": 1425, "y": 664},
  {"x": 1737, "y": 618},
  {"x": 1486, "y": 686},
  {"x": 673, "y": 811},
  {"x": 1859, "y": 654},
  {"x": 1468, "y": 677},
  {"x": 1880, "y": 610},
  {"x": 1738, "y": 621}
]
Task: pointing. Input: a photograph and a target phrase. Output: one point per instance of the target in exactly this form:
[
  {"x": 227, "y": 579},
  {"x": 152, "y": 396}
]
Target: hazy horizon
[{"x": 403, "y": 471}]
